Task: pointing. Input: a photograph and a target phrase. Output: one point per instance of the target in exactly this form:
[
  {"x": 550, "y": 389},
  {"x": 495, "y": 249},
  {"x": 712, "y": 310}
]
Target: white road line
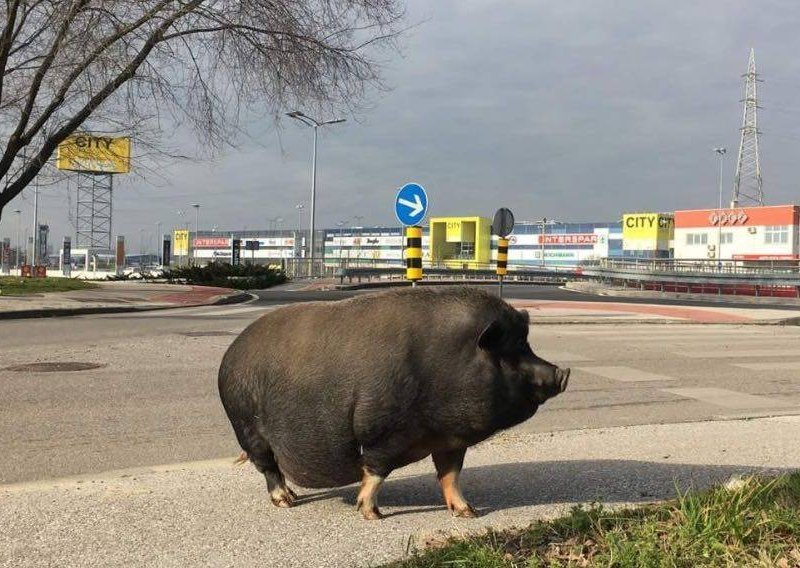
[
  {"x": 738, "y": 353},
  {"x": 729, "y": 398},
  {"x": 232, "y": 311},
  {"x": 673, "y": 329},
  {"x": 774, "y": 366},
  {"x": 625, "y": 374},
  {"x": 686, "y": 338}
]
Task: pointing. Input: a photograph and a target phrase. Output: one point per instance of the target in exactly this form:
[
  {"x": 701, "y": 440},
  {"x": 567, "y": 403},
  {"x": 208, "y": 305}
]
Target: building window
[
  {"x": 726, "y": 238},
  {"x": 696, "y": 238},
  {"x": 776, "y": 234}
]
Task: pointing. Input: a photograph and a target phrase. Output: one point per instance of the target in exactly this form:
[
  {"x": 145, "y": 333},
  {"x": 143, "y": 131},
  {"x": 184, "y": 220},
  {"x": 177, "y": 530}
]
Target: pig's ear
[
  {"x": 526, "y": 316},
  {"x": 491, "y": 337}
]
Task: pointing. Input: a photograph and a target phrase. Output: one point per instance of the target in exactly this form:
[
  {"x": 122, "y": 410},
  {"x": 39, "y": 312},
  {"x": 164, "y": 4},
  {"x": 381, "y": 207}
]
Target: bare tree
[{"x": 130, "y": 66}]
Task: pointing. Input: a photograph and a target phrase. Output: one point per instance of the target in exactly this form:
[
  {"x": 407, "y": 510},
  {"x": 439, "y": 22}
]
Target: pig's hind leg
[
  {"x": 448, "y": 468},
  {"x": 260, "y": 453}
]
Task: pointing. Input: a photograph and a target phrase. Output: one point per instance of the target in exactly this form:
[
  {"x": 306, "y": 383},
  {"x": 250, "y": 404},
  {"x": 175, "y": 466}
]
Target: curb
[
  {"x": 236, "y": 298},
  {"x": 406, "y": 283}
]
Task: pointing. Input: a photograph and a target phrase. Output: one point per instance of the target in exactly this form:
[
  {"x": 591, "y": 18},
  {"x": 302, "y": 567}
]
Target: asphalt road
[
  {"x": 630, "y": 426},
  {"x": 278, "y": 296},
  {"x": 154, "y": 399}
]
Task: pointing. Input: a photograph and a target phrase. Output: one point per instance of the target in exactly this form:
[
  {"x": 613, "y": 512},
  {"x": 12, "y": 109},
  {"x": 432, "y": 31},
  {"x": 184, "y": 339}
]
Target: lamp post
[
  {"x": 16, "y": 252},
  {"x": 159, "y": 244},
  {"x": 340, "y": 224},
  {"x": 721, "y": 151},
  {"x": 298, "y": 236},
  {"x": 315, "y": 124},
  {"x": 196, "y": 229},
  {"x": 545, "y": 221}
]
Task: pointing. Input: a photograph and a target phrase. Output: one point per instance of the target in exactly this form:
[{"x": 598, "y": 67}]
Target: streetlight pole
[
  {"x": 298, "y": 236},
  {"x": 544, "y": 221},
  {"x": 159, "y": 244},
  {"x": 721, "y": 151},
  {"x": 315, "y": 124},
  {"x": 16, "y": 255},
  {"x": 196, "y": 229}
]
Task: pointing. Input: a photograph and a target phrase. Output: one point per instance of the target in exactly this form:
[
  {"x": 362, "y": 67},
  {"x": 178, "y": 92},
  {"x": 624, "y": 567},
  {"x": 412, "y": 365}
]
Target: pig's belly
[{"x": 319, "y": 465}]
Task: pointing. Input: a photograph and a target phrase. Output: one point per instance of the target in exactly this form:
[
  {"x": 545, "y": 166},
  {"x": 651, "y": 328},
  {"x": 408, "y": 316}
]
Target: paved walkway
[
  {"x": 115, "y": 295},
  {"x": 545, "y": 311}
]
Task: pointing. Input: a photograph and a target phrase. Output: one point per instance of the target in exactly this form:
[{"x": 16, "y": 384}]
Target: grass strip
[
  {"x": 16, "y": 286},
  {"x": 752, "y": 521}
]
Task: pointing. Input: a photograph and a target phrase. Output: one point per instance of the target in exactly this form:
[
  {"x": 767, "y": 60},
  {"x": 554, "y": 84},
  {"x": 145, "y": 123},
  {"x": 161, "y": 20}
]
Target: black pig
[{"x": 327, "y": 394}]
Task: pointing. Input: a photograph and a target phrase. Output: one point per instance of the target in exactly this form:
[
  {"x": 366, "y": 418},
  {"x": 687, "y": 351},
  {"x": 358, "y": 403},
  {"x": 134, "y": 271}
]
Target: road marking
[
  {"x": 774, "y": 366},
  {"x": 686, "y": 338},
  {"x": 563, "y": 356},
  {"x": 730, "y": 353},
  {"x": 231, "y": 311},
  {"x": 625, "y": 374},
  {"x": 729, "y": 398},
  {"x": 203, "y": 311}
]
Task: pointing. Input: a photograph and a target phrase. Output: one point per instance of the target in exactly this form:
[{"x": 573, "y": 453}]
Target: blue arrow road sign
[{"x": 411, "y": 204}]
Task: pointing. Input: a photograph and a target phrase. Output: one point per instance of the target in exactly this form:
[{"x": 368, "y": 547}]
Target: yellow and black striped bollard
[
  {"x": 414, "y": 254},
  {"x": 502, "y": 261}
]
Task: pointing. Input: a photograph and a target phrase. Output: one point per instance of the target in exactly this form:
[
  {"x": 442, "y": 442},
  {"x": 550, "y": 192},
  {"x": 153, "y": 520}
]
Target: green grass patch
[
  {"x": 749, "y": 522},
  {"x": 16, "y": 286}
]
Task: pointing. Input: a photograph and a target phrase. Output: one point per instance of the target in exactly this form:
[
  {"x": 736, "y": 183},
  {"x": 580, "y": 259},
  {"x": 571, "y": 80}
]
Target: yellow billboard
[
  {"x": 180, "y": 240},
  {"x": 94, "y": 154},
  {"x": 647, "y": 231}
]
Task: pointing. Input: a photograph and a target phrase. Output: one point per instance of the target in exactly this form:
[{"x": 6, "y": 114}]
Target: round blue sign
[{"x": 411, "y": 204}]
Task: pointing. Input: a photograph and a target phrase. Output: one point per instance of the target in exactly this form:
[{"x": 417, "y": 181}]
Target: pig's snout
[{"x": 562, "y": 379}]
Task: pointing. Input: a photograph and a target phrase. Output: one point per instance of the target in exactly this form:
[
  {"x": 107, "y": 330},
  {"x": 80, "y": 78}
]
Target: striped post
[
  {"x": 502, "y": 261},
  {"x": 414, "y": 254},
  {"x": 502, "y": 257}
]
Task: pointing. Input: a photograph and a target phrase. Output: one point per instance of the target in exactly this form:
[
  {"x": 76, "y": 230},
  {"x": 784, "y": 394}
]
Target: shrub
[{"x": 241, "y": 277}]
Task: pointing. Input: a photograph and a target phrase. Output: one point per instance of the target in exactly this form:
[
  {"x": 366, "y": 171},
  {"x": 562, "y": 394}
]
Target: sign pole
[
  {"x": 502, "y": 261},
  {"x": 414, "y": 254}
]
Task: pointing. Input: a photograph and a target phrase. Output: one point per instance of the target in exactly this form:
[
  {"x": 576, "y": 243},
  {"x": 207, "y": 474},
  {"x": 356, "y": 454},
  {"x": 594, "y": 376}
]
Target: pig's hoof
[
  {"x": 372, "y": 514},
  {"x": 466, "y": 512},
  {"x": 283, "y": 498}
]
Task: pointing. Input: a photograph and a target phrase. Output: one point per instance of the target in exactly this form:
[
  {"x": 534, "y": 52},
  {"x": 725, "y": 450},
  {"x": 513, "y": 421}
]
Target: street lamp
[
  {"x": 298, "y": 238},
  {"x": 159, "y": 244},
  {"x": 341, "y": 225},
  {"x": 16, "y": 255},
  {"x": 545, "y": 221},
  {"x": 315, "y": 124},
  {"x": 721, "y": 151},
  {"x": 196, "y": 229}
]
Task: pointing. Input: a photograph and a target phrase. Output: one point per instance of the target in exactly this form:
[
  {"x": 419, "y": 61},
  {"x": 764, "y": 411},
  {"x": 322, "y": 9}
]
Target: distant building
[
  {"x": 740, "y": 233},
  {"x": 561, "y": 244},
  {"x": 648, "y": 235}
]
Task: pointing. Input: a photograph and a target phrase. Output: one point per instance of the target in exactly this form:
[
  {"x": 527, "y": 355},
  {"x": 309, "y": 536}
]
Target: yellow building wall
[
  {"x": 647, "y": 231},
  {"x": 458, "y": 242}
]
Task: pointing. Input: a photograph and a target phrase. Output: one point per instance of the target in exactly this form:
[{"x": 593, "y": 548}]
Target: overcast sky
[{"x": 574, "y": 110}]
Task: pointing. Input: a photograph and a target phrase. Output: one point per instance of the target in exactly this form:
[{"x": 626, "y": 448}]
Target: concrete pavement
[{"x": 212, "y": 513}]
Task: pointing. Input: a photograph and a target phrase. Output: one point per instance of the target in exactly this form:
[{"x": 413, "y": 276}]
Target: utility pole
[
  {"x": 747, "y": 183},
  {"x": 196, "y": 230},
  {"x": 721, "y": 151}
]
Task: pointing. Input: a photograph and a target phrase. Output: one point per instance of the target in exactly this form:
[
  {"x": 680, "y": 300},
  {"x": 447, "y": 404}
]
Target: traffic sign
[
  {"x": 411, "y": 204},
  {"x": 503, "y": 222}
]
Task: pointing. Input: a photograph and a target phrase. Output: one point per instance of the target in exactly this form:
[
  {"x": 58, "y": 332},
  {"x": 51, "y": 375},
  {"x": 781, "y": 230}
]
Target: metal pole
[
  {"x": 313, "y": 198},
  {"x": 544, "y": 220},
  {"x": 16, "y": 256},
  {"x": 35, "y": 255},
  {"x": 159, "y": 244},
  {"x": 721, "y": 152}
]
